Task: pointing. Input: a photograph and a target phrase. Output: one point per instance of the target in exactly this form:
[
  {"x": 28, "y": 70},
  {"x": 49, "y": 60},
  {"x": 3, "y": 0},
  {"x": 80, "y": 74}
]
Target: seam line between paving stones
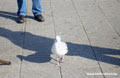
[
  {"x": 107, "y": 18},
  {"x": 60, "y": 68},
  {"x": 88, "y": 38},
  {"x": 52, "y": 17},
  {"x": 61, "y": 72},
  {"x": 23, "y": 42}
]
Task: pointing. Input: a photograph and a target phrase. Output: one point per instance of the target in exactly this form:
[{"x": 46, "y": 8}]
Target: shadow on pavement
[
  {"x": 42, "y": 45},
  {"x": 12, "y": 16}
]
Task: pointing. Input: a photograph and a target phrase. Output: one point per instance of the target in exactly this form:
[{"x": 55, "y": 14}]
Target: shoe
[
  {"x": 39, "y": 18},
  {"x": 21, "y": 19}
]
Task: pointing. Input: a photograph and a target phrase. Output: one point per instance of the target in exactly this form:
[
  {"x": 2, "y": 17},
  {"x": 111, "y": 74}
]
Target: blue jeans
[{"x": 36, "y": 7}]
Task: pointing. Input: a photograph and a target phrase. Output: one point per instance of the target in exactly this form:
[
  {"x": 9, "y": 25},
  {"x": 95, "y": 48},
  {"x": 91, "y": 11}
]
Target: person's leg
[
  {"x": 21, "y": 7},
  {"x": 36, "y": 7},
  {"x": 37, "y": 10},
  {"x": 21, "y": 10}
]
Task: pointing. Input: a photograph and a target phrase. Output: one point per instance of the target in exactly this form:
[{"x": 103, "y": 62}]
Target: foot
[
  {"x": 39, "y": 18},
  {"x": 21, "y": 19},
  {"x": 58, "y": 63},
  {"x": 61, "y": 59}
]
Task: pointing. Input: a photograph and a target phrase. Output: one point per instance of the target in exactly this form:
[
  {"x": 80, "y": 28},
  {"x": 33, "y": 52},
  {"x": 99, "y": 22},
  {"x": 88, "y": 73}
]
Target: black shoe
[
  {"x": 39, "y": 18},
  {"x": 21, "y": 19}
]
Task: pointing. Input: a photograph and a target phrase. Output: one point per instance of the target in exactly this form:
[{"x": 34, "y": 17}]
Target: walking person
[{"x": 36, "y": 10}]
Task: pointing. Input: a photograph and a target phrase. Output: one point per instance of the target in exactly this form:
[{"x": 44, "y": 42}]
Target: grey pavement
[{"x": 91, "y": 29}]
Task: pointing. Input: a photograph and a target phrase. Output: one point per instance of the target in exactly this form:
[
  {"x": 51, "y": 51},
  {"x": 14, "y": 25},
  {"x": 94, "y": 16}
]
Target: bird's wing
[{"x": 53, "y": 48}]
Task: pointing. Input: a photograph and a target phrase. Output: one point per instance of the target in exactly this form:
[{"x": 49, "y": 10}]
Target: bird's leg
[
  {"x": 58, "y": 61},
  {"x": 61, "y": 59}
]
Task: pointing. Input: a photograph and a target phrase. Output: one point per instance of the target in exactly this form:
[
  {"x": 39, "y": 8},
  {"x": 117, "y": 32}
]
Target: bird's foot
[
  {"x": 58, "y": 63},
  {"x": 61, "y": 59}
]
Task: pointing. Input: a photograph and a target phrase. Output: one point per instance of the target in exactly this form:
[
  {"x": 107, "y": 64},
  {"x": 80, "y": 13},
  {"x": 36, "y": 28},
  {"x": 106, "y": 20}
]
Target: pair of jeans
[{"x": 36, "y": 7}]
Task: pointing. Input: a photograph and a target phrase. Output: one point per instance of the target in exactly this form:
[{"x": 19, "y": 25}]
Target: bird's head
[{"x": 57, "y": 38}]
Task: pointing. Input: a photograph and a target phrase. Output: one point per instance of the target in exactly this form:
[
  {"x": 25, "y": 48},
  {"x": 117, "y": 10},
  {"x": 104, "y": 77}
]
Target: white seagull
[{"x": 59, "y": 48}]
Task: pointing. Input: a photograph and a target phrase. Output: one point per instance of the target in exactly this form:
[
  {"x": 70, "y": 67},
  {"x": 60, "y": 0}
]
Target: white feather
[{"x": 59, "y": 47}]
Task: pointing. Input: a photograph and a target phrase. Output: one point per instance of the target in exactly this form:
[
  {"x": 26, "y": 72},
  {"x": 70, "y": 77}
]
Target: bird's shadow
[{"x": 42, "y": 47}]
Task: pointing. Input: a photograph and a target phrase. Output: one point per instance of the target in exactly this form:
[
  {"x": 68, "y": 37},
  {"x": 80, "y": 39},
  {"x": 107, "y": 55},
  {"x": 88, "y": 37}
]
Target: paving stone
[
  {"x": 87, "y": 26},
  {"x": 104, "y": 40}
]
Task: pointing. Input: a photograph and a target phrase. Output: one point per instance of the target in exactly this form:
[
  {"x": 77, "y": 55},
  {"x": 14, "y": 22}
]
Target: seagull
[{"x": 59, "y": 48}]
